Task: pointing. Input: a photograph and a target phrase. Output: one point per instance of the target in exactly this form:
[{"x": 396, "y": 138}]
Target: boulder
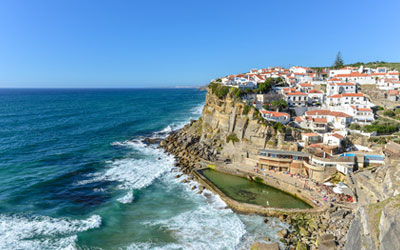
[{"x": 282, "y": 233}]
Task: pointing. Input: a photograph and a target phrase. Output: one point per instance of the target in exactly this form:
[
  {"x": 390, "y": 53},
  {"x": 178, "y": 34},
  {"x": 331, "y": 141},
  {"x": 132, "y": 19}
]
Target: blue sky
[{"x": 127, "y": 43}]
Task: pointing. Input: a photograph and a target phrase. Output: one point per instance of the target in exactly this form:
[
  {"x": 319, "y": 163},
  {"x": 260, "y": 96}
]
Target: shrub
[
  {"x": 236, "y": 93},
  {"x": 355, "y": 126},
  {"x": 219, "y": 90},
  {"x": 380, "y": 108},
  {"x": 382, "y": 127},
  {"x": 389, "y": 113},
  {"x": 232, "y": 137},
  {"x": 246, "y": 109}
]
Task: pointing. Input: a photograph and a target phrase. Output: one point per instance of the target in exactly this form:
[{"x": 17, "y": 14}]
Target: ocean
[{"x": 75, "y": 173}]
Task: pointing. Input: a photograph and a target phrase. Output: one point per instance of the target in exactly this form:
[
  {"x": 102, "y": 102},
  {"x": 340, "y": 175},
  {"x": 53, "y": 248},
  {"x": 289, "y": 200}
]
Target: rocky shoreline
[{"x": 308, "y": 231}]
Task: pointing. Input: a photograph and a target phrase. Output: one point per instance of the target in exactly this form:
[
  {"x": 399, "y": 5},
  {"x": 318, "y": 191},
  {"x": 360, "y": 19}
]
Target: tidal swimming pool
[{"x": 244, "y": 190}]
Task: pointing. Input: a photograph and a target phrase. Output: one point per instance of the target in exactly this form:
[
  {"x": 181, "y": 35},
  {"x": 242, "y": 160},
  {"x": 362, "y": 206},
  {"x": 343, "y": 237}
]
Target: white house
[
  {"x": 311, "y": 138},
  {"x": 346, "y": 70},
  {"x": 319, "y": 125},
  {"x": 362, "y": 115},
  {"x": 339, "y": 88},
  {"x": 333, "y": 139},
  {"x": 302, "y": 70},
  {"x": 357, "y": 78},
  {"x": 280, "y": 117},
  {"x": 357, "y": 99},
  {"x": 337, "y": 120},
  {"x": 298, "y": 99},
  {"x": 305, "y": 87},
  {"x": 315, "y": 96}
]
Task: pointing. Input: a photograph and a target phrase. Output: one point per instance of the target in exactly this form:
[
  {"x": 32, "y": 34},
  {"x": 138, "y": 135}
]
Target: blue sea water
[{"x": 76, "y": 174}]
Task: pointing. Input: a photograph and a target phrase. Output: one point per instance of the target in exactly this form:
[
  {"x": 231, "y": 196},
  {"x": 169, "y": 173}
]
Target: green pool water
[{"x": 243, "y": 190}]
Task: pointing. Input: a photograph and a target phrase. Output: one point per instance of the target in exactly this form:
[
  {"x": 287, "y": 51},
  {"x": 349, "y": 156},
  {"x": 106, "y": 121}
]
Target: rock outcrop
[{"x": 376, "y": 224}]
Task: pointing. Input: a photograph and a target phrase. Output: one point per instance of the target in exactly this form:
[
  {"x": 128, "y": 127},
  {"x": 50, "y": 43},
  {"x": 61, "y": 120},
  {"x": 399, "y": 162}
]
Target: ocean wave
[
  {"x": 42, "y": 232},
  {"x": 197, "y": 110},
  {"x": 133, "y": 174},
  {"x": 128, "y": 198}
]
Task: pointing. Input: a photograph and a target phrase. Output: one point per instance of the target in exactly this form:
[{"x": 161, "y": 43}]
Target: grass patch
[{"x": 232, "y": 137}]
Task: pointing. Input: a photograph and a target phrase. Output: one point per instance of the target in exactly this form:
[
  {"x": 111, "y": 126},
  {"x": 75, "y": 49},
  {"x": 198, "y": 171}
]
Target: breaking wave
[{"x": 42, "y": 232}]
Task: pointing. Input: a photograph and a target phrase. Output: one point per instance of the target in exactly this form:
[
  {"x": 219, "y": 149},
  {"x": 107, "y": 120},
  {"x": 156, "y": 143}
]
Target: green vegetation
[
  {"x": 392, "y": 114},
  {"x": 219, "y": 90},
  {"x": 232, "y": 137},
  {"x": 382, "y": 126},
  {"x": 266, "y": 86},
  {"x": 389, "y": 113},
  {"x": 376, "y": 64},
  {"x": 355, "y": 126},
  {"x": 338, "y": 61},
  {"x": 279, "y": 104},
  {"x": 246, "y": 109},
  {"x": 236, "y": 93},
  {"x": 279, "y": 127}
]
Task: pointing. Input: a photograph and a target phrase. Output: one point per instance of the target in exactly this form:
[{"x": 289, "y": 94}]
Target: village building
[
  {"x": 340, "y": 88},
  {"x": 315, "y": 97},
  {"x": 333, "y": 139},
  {"x": 298, "y": 99},
  {"x": 280, "y": 117},
  {"x": 335, "y": 119},
  {"x": 393, "y": 95},
  {"x": 319, "y": 125},
  {"x": 281, "y": 161},
  {"x": 362, "y": 115},
  {"x": 305, "y": 87},
  {"x": 357, "y": 99}
]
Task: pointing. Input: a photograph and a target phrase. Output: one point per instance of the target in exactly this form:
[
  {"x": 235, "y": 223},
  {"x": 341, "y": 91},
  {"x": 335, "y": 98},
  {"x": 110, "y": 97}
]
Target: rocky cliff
[
  {"x": 236, "y": 131},
  {"x": 377, "y": 220}
]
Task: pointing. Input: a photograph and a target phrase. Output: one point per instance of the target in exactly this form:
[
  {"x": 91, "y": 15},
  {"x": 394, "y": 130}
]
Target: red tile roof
[
  {"x": 338, "y": 136},
  {"x": 314, "y": 91},
  {"x": 347, "y": 95},
  {"x": 296, "y": 93},
  {"x": 326, "y": 112},
  {"x": 310, "y": 134},
  {"x": 275, "y": 114},
  {"x": 320, "y": 120}
]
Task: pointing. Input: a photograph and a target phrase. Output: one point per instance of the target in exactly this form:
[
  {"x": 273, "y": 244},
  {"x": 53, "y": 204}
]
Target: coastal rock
[
  {"x": 264, "y": 246},
  {"x": 282, "y": 233}
]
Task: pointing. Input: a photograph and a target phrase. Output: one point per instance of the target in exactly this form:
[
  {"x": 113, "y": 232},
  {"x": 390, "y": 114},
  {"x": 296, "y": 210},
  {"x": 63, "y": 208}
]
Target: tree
[
  {"x": 266, "y": 86},
  {"x": 278, "y": 104},
  {"x": 338, "y": 61}
]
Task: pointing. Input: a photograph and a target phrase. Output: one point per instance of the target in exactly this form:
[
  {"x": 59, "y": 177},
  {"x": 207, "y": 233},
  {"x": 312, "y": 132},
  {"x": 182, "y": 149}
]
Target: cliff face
[
  {"x": 377, "y": 221},
  {"x": 236, "y": 131}
]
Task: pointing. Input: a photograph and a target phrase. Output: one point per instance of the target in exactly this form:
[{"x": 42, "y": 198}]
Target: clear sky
[{"x": 149, "y": 43}]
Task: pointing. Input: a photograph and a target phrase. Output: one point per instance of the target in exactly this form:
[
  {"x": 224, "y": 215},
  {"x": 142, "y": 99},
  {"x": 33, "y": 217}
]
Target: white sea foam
[
  {"x": 132, "y": 174},
  {"x": 197, "y": 110},
  {"x": 42, "y": 232},
  {"x": 128, "y": 198},
  {"x": 209, "y": 225}
]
